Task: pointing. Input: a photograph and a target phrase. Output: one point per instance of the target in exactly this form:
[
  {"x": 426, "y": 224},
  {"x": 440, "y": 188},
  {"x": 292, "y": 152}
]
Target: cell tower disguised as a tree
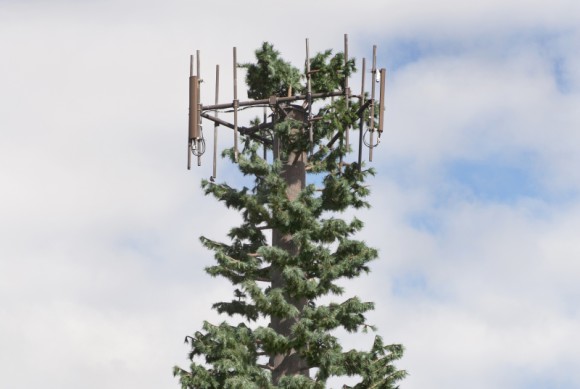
[{"x": 311, "y": 248}]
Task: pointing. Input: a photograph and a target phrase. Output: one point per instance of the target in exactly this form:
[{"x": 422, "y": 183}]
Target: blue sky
[{"x": 476, "y": 207}]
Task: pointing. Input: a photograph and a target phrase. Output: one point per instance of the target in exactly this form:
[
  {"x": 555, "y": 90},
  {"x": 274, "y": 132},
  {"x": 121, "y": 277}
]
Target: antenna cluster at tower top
[{"x": 281, "y": 106}]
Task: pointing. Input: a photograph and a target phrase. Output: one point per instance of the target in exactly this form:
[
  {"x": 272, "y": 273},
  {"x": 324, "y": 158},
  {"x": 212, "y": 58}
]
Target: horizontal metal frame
[{"x": 271, "y": 101}]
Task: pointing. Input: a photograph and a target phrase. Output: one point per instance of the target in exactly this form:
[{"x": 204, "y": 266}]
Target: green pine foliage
[
  {"x": 328, "y": 71},
  {"x": 271, "y": 75},
  {"x": 236, "y": 356}
]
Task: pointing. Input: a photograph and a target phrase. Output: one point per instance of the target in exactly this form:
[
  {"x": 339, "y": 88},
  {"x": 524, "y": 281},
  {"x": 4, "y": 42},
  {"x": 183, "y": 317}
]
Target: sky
[{"x": 475, "y": 205}]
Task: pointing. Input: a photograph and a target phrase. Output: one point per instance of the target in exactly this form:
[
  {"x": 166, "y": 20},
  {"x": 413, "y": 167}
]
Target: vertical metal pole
[
  {"x": 215, "y": 125},
  {"x": 235, "y": 105},
  {"x": 346, "y": 91},
  {"x": 362, "y": 116},
  {"x": 340, "y": 146},
  {"x": 276, "y": 143},
  {"x": 309, "y": 87},
  {"x": 309, "y": 97},
  {"x": 372, "y": 115},
  {"x": 265, "y": 147}
]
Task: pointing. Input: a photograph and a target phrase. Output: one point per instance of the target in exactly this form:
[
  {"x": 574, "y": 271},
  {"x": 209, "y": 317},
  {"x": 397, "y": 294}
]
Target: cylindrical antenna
[
  {"x": 382, "y": 102},
  {"x": 309, "y": 97},
  {"x": 362, "y": 115},
  {"x": 372, "y": 115},
  {"x": 194, "y": 108},
  {"x": 189, "y": 124},
  {"x": 191, "y": 65},
  {"x": 194, "y": 114},
  {"x": 346, "y": 90},
  {"x": 198, "y": 141},
  {"x": 236, "y": 102},
  {"x": 198, "y": 64},
  {"x": 215, "y": 126}
]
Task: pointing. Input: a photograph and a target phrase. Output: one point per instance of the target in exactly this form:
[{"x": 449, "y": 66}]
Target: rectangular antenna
[
  {"x": 372, "y": 115},
  {"x": 236, "y": 103},
  {"x": 383, "y": 74}
]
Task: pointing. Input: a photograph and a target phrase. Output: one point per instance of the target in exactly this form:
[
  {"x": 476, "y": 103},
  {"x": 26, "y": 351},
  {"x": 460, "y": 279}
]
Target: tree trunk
[{"x": 294, "y": 173}]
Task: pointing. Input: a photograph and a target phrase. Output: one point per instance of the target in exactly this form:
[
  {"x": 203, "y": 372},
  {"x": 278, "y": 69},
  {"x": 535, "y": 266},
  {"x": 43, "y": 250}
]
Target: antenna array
[{"x": 198, "y": 111}]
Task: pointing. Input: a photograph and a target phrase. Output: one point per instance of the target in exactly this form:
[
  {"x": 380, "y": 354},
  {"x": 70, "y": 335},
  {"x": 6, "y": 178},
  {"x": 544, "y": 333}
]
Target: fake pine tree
[{"x": 312, "y": 248}]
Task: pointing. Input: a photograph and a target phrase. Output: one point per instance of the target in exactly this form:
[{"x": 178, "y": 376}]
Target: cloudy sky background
[{"x": 476, "y": 202}]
